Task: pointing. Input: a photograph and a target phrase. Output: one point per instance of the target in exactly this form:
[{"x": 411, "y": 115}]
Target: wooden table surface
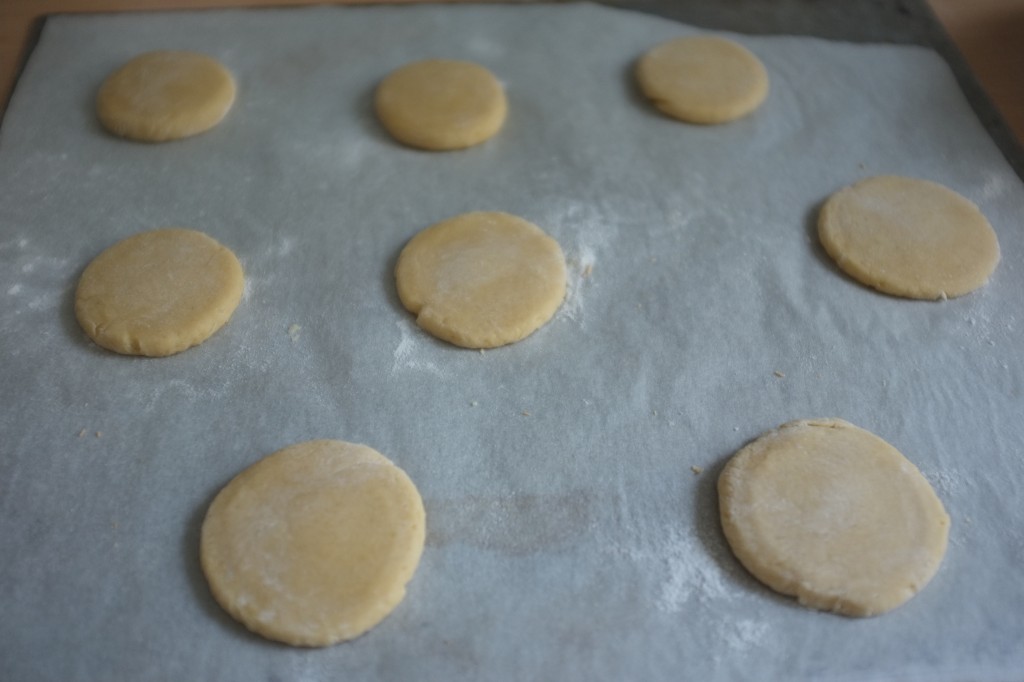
[{"x": 989, "y": 33}]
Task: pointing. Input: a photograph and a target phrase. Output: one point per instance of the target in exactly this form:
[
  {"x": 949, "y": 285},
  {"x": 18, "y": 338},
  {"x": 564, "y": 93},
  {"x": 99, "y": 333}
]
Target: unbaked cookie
[
  {"x": 315, "y": 543},
  {"x": 834, "y": 515},
  {"x": 703, "y": 79},
  {"x": 909, "y": 237},
  {"x": 159, "y": 292},
  {"x": 165, "y": 95},
  {"x": 482, "y": 279},
  {"x": 441, "y": 104}
]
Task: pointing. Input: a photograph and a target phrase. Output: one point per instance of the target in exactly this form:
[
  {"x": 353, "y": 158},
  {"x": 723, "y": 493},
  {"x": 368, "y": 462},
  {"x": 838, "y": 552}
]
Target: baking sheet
[{"x": 568, "y": 537}]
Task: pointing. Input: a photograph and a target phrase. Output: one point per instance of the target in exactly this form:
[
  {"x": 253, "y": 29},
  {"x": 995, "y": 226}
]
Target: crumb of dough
[
  {"x": 697, "y": 470},
  {"x": 779, "y": 374}
]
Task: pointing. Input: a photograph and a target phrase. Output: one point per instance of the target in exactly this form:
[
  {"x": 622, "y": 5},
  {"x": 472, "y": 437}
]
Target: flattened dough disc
[
  {"x": 165, "y": 95},
  {"x": 482, "y": 279},
  {"x": 832, "y": 514},
  {"x": 441, "y": 104},
  {"x": 703, "y": 79},
  {"x": 157, "y": 293},
  {"x": 908, "y": 237},
  {"x": 315, "y": 543}
]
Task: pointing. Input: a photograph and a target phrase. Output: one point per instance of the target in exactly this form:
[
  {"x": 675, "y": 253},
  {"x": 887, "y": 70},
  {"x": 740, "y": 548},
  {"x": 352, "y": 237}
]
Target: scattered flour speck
[
  {"x": 406, "y": 353},
  {"x": 995, "y": 186},
  {"x": 579, "y": 267},
  {"x": 946, "y": 482},
  {"x": 593, "y": 229},
  {"x": 691, "y": 574},
  {"x": 685, "y": 571},
  {"x": 46, "y": 301},
  {"x": 745, "y": 634},
  {"x": 285, "y": 246},
  {"x": 481, "y": 47},
  {"x": 688, "y": 579},
  {"x": 352, "y": 155}
]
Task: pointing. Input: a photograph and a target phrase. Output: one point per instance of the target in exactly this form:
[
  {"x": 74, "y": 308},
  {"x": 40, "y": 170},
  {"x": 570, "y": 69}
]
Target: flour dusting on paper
[
  {"x": 593, "y": 231},
  {"x": 247, "y": 287},
  {"x": 679, "y": 565},
  {"x": 579, "y": 270},
  {"x": 686, "y": 571},
  {"x": 688, "y": 578},
  {"x": 995, "y": 186},
  {"x": 41, "y": 279},
  {"x": 745, "y": 633},
  {"x": 406, "y": 353},
  {"x": 285, "y": 246},
  {"x": 945, "y": 481}
]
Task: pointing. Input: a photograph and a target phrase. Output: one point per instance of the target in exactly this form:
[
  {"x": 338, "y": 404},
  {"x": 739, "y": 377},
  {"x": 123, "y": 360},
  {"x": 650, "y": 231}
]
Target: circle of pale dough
[
  {"x": 481, "y": 279},
  {"x": 703, "y": 79},
  {"x": 165, "y": 95},
  {"x": 834, "y": 515},
  {"x": 909, "y": 237},
  {"x": 441, "y": 104},
  {"x": 157, "y": 293},
  {"x": 314, "y": 544}
]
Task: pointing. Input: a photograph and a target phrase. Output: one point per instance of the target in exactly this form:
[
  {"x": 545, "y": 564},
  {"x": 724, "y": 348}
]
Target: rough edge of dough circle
[
  {"x": 141, "y": 126},
  {"x": 696, "y": 112},
  {"x": 301, "y": 635},
  {"x": 793, "y": 586},
  {"x": 417, "y": 305},
  {"x": 400, "y": 121},
  {"x": 883, "y": 279},
  {"x": 127, "y": 342}
]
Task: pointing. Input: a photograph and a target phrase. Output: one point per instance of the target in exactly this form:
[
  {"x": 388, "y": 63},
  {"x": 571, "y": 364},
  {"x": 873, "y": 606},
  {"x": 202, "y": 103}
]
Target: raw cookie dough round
[
  {"x": 703, "y": 79},
  {"x": 481, "y": 279},
  {"x": 157, "y": 293},
  {"x": 314, "y": 544},
  {"x": 908, "y": 237},
  {"x": 165, "y": 95},
  {"x": 832, "y": 514},
  {"x": 441, "y": 104}
]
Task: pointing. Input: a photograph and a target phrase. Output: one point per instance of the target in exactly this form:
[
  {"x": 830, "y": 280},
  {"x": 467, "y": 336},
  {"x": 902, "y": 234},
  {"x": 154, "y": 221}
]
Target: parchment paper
[{"x": 568, "y": 537}]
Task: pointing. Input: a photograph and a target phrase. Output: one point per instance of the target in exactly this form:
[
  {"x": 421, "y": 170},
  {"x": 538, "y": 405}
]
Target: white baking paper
[{"x": 568, "y": 537}]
